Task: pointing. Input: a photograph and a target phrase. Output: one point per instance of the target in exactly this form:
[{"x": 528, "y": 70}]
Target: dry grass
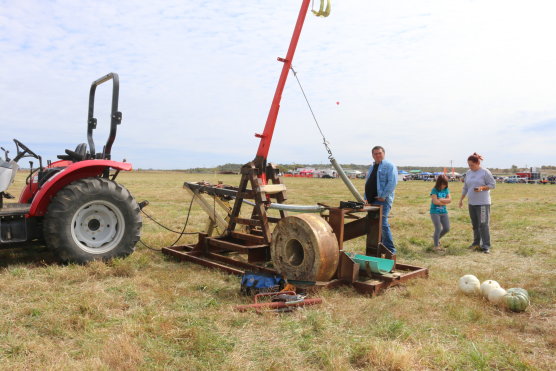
[{"x": 152, "y": 312}]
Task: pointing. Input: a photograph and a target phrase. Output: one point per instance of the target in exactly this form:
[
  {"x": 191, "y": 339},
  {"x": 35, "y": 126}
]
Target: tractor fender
[
  {"x": 28, "y": 193},
  {"x": 75, "y": 171}
]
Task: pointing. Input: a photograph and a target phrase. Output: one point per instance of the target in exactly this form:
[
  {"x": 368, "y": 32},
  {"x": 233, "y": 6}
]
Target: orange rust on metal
[
  {"x": 277, "y": 305},
  {"x": 348, "y": 270},
  {"x": 376, "y": 283},
  {"x": 369, "y": 224},
  {"x": 223, "y": 252},
  {"x": 249, "y": 238},
  {"x": 258, "y": 223},
  {"x": 304, "y": 248},
  {"x": 270, "y": 294}
]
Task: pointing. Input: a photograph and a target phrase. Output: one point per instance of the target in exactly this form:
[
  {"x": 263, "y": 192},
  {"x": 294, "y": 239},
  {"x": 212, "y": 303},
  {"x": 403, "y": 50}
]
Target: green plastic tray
[{"x": 376, "y": 265}]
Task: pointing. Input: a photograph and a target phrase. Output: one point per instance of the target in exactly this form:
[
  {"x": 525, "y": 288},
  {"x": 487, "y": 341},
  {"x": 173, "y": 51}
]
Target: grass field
[{"x": 150, "y": 311}]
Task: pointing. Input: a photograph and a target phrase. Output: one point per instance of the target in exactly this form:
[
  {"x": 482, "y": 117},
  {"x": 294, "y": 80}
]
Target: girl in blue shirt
[{"x": 440, "y": 197}]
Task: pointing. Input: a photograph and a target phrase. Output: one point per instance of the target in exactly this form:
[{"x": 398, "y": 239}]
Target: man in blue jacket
[{"x": 380, "y": 184}]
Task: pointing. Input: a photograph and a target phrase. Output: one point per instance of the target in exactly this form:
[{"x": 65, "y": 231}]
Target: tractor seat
[{"x": 79, "y": 154}]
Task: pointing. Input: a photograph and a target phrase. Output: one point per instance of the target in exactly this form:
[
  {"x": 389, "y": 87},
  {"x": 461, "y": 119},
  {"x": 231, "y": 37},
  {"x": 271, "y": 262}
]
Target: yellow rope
[{"x": 323, "y": 12}]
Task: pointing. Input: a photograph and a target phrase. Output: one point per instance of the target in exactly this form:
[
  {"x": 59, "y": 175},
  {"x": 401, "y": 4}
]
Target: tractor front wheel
[{"x": 92, "y": 219}]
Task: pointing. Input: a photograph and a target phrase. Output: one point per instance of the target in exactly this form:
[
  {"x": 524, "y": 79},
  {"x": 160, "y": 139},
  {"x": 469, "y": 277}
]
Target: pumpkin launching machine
[{"x": 305, "y": 248}]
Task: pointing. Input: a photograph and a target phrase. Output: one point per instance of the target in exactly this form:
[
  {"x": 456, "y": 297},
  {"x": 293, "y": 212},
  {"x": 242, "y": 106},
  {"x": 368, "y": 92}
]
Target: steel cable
[{"x": 163, "y": 226}]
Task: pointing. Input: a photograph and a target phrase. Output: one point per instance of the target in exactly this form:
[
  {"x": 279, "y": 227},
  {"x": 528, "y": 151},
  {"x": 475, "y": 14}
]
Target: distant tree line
[{"x": 235, "y": 168}]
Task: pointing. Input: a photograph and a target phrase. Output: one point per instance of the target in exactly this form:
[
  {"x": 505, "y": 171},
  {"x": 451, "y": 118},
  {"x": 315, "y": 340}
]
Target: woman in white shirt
[{"x": 477, "y": 185}]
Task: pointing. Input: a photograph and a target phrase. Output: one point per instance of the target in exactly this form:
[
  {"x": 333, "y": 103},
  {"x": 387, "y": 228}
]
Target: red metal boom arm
[{"x": 266, "y": 136}]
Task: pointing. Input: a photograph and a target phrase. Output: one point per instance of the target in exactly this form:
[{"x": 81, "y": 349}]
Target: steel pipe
[
  {"x": 346, "y": 180},
  {"x": 293, "y": 208}
]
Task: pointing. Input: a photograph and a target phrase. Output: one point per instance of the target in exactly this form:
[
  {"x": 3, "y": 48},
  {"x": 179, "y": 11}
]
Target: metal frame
[
  {"x": 225, "y": 252},
  {"x": 115, "y": 116}
]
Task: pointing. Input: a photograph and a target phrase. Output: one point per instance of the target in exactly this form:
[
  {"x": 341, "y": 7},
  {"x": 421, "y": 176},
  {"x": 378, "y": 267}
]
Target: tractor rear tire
[{"x": 92, "y": 219}]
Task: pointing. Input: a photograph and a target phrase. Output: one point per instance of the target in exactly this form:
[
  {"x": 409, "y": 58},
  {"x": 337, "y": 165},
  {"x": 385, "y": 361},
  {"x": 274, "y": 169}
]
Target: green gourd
[
  {"x": 516, "y": 301},
  {"x": 520, "y": 290}
]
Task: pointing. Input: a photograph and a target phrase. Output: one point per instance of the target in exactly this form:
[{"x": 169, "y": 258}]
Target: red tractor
[{"x": 73, "y": 204}]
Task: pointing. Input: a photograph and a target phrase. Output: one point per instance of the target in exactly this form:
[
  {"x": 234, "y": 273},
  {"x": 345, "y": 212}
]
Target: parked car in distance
[{"x": 515, "y": 179}]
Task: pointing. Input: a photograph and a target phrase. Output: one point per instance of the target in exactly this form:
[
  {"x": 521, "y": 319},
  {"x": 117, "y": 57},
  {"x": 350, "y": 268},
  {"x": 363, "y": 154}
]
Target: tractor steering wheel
[{"x": 25, "y": 148}]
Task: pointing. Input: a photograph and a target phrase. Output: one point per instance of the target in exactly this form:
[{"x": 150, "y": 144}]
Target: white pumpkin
[
  {"x": 487, "y": 286},
  {"x": 495, "y": 295},
  {"x": 470, "y": 284}
]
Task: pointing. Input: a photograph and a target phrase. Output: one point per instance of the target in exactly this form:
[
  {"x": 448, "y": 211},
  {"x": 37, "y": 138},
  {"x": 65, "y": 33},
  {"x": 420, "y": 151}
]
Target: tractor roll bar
[{"x": 115, "y": 115}]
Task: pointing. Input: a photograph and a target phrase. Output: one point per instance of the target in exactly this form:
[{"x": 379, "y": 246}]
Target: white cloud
[{"x": 432, "y": 81}]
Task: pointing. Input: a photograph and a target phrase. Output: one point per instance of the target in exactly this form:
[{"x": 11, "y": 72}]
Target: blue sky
[{"x": 431, "y": 81}]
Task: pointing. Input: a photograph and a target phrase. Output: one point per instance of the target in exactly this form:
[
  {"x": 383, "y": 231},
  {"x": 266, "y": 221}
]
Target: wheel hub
[
  {"x": 93, "y": 224},
  {"x": 97, "y": 227}
]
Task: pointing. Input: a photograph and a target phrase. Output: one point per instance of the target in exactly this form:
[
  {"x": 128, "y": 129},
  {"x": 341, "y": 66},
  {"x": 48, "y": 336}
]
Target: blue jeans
[{"x": 387, "y": 239}]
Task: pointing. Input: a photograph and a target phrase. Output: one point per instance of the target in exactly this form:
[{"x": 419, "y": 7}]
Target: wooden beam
[{"x": 209, "y": 209}]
